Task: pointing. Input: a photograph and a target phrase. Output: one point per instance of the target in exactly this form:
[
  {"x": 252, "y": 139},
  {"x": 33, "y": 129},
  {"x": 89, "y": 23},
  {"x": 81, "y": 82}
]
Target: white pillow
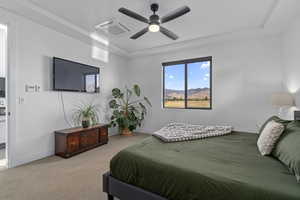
[{"x": 269, "y": 136}]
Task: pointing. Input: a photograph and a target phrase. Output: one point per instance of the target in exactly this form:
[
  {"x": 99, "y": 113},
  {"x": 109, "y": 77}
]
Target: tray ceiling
[
  {"x": 208, "y": 17},
  {"x": 209, "y": 20}
]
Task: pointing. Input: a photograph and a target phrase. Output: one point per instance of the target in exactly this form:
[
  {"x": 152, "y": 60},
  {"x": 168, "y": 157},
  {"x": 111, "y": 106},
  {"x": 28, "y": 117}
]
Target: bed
[{"x": 219, "y": 168}]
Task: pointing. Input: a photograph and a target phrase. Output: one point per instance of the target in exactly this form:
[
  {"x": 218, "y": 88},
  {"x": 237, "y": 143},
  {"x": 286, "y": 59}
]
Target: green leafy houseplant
[
  {"x": 128, "y": 114},
  {"x": 86, "y": 114}
]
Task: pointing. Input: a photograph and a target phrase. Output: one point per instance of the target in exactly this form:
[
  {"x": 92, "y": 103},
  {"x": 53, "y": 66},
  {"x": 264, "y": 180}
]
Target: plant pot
[
  {"x": 126, "y": 132},
  {"x": 85, "y": 123}
]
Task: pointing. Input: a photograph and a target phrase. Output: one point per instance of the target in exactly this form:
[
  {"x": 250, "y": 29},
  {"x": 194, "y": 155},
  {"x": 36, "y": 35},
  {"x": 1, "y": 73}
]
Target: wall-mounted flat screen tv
[
  {"x": 2, "y": 87},
  {"x": 75, "y": 77}
]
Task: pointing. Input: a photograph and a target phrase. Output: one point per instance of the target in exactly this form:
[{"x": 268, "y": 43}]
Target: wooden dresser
[{"x": 69, "y": 142}]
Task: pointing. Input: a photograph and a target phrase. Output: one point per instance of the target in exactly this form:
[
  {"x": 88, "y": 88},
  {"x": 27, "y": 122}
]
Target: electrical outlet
[{"x": 21, "y": 100}]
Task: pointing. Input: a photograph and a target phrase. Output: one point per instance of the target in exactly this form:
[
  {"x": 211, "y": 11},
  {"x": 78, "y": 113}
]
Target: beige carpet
[{"x": 76, "y": 178}]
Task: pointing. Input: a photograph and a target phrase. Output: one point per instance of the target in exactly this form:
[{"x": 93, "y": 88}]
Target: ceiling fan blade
[
  {"x": 139, "y": 34},
  {"x": 168, "y": 33},
  {"x": 133, "y": 15},
  {"x": 176, "y": 13}
]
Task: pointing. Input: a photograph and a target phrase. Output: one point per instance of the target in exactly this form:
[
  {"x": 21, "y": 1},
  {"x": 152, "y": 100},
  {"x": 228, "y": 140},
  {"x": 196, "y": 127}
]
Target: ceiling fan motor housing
[
  {"x": 154, "y": 19},
  {"x": 154, "y": 7}
]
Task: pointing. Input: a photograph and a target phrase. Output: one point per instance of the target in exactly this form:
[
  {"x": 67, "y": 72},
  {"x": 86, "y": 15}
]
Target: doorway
[{"x": 3, "y": 97}]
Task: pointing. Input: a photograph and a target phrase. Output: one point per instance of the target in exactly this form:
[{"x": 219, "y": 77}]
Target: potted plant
[
  {"x": 86, "y": 114},
  {"x": 128, "y": 113}
]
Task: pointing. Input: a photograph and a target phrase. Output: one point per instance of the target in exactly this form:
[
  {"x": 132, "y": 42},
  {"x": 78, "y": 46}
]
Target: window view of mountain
[
  {"x": 199, "y": 97},
  {"x": 197, "y": 77}
]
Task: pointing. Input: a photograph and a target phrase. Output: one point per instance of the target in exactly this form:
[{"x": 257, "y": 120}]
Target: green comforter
[{"x": 220, "y": 168}]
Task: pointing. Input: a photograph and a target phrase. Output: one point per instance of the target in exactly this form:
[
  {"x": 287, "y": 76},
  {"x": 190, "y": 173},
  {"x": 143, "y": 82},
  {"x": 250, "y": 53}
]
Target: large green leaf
[
  {"x": 147, "y": 100},
  {"x": 134, "y": 110},
  {"x": 116, "y": 113},
  {"x": 129, "y": 94},
  {"x": 137, "y": 90},
  {"x": 144, "y": 109},
  {"x": 142, "y": 106},
  {"x": 113, "y": 104},
  {"x": 116, "y": 93}
]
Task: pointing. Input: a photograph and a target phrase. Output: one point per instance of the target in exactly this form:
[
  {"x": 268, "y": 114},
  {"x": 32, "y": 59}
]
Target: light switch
[
  {"x": 29, "y": 88},
  {"x": 37, "y": 88}
]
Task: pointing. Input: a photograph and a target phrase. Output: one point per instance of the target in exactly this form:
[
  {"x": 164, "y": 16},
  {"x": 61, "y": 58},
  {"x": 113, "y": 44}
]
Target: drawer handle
[{"x": 73, "y": 143}]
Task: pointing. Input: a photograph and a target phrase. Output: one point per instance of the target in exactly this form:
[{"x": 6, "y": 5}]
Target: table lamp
[{"x": 282, "y": 99}]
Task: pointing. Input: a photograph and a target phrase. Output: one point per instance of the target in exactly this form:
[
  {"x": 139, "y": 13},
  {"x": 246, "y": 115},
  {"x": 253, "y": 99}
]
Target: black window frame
[{"x": 185, "y": 63}]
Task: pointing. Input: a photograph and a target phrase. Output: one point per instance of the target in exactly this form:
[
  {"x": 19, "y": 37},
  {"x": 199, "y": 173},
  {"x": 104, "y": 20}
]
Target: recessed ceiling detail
[{"x": 208, "y": 18}]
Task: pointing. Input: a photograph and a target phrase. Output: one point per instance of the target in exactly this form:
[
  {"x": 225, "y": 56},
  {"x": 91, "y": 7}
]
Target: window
[{"x": 187, "y": 84}]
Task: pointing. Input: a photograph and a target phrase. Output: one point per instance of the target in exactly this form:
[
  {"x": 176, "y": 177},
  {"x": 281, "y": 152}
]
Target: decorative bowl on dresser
[{"x": 69, "y": 142}]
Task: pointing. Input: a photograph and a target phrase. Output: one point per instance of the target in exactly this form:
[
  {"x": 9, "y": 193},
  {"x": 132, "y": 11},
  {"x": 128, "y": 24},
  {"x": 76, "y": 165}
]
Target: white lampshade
[{"x": 282, "y": 99}]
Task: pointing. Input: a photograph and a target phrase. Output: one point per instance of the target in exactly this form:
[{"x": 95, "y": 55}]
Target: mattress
[{"x": 220, "y": 168}]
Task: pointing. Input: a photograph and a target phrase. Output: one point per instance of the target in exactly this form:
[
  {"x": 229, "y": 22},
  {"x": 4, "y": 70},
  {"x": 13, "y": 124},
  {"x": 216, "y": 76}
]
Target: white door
[
  {"x": 2, "y": 130},
  {"x": 3, "y": 95}
]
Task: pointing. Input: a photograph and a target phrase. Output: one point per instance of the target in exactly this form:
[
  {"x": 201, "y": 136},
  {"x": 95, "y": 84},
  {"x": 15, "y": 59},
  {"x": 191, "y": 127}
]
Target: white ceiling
[{"x": 207, "y": 17}]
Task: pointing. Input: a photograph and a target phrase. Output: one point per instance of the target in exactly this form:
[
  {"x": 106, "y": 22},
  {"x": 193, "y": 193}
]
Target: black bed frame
[{"x": 115, "y": 188}]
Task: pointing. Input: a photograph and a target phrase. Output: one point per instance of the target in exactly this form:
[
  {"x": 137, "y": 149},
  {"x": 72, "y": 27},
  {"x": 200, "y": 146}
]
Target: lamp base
[{"x": 280, "y": 112}]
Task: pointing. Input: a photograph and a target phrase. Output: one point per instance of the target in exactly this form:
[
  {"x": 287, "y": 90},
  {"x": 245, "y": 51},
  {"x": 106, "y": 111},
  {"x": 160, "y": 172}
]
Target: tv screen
[
  {"x": 2, "y": 87},
  {"x": 73, "y": 76}
]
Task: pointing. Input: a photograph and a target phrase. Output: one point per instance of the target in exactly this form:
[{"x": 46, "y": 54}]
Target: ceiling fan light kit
[
  {"x": 154, "y": 27},
  {"x": 154, "y": 22}
]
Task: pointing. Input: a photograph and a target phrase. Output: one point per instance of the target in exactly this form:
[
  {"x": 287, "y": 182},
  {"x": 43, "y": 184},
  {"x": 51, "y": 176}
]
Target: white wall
[
  {"x": 38, "y": 114},
  {"x": 2, "y": 51},
  {"x": 245, "y": 74},
  {"x": 291, "y": 58}
]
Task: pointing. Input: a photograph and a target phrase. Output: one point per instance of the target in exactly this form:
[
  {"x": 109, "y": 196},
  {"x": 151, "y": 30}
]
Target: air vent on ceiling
[{"x": 113, "y": 27}]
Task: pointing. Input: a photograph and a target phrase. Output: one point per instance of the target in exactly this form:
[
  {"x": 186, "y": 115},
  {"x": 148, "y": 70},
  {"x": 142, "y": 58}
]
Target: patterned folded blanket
[{"x": 175, "y": 132}]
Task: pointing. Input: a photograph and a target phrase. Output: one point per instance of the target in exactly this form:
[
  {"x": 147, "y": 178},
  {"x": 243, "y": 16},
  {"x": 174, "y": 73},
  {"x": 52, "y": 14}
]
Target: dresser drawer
[
  {"x": 89, "y": 138},
  {"x": 73, "y": 142},
  {"x": 103, "y": 135}
]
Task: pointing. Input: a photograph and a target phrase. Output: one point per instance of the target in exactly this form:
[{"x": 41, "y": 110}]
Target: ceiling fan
[{"x": 154, "y": 22}]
